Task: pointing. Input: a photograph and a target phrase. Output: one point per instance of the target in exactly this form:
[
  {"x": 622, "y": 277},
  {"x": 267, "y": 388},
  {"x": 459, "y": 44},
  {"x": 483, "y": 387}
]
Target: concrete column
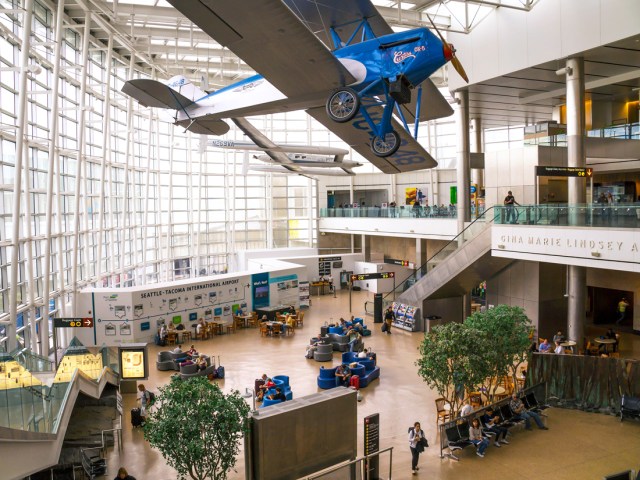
[
  {"x": 577, "y": 288},
  {"x": 421, "y": 252},
  {"x": 477, "y": 174},
  {"x": 462, "y": 180}
]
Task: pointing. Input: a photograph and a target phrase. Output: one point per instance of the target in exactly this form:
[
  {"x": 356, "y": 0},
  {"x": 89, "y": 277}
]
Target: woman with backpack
[{"x": 416, "y": 444}]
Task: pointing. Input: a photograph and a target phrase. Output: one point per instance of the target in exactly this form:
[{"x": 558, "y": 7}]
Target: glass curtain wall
[{"x": 153, "y": 205}]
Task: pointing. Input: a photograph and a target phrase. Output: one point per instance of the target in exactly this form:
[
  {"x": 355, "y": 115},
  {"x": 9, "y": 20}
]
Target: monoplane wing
[
  {"x": 410, "y": 156},
  {"x": 272, "y": 40},
  {"x": 262, "y": 141},
  {"x": 152, "y": 93},
  {"x": 432, "y": 104}
]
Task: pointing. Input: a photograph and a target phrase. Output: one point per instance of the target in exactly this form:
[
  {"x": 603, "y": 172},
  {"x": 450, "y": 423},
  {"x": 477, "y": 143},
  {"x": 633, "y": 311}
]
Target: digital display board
[{"x": 134, "y": 362}]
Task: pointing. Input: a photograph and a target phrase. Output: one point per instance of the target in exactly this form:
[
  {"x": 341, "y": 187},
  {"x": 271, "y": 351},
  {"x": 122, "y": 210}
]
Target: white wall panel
[
  {"x": 513, "y": 54},
  {"x": 580, "y": 27},
  {"x": 509, "y": 40}
]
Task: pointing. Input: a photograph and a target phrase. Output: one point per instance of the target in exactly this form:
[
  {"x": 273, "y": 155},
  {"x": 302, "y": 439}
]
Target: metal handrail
[
  {"x": 360, "y": 460},
  {"x": 455, "y": 240}
]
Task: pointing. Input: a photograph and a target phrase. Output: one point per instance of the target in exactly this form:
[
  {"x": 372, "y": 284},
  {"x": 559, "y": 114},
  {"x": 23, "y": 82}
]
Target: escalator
[{"x": 457, "y": 268}]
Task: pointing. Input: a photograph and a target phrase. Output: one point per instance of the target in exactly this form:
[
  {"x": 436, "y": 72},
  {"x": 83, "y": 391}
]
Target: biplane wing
[{"x": 410, "y": 156}]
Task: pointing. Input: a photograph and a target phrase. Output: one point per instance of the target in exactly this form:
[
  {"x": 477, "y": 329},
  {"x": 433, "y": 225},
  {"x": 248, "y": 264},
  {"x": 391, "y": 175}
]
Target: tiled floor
[{"x": 578, "y": 445}]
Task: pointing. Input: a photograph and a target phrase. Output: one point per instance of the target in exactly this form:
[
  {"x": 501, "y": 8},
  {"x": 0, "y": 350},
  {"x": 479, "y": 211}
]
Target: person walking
[
  {"x": 416, "y": 444},
  {"x": 509, "y": 202},
  {"x": 622, "y": 310},
  {"x": 145, "y": 401},
  {"x": 389, "y": 317},
  {"x": 124, "y": 475}
]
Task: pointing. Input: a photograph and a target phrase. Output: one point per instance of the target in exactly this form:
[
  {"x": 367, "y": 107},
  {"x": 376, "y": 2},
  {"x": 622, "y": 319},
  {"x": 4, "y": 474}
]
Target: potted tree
[{"x": 197, "y": 428}]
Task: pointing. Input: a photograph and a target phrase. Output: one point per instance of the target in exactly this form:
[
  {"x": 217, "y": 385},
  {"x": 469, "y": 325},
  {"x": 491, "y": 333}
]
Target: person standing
[
  {"x": 622, "y": 310},
  {"x": 145, "y": 401},
  {"x": 389, "y": 317},
  {"x": 415, "y": 444},
  {"x": 124, "y": 475},
  {"x": 509, "y": 202}
]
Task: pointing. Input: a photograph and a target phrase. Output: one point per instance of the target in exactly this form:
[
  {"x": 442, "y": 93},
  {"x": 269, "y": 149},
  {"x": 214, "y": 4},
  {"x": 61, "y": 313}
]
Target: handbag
[{"x": 423, "y": 443}]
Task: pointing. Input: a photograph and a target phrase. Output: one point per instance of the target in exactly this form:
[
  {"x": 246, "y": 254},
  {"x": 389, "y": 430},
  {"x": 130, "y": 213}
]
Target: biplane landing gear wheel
[
  {"x": 343, "y": 105},
  {"x": 384, "y": 147}
]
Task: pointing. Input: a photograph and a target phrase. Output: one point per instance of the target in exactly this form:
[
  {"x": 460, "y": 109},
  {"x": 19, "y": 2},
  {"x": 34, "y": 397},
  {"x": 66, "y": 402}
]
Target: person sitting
[
  {"x": 188, "y": 361},
  {"x": 192, "y": 352},
  {"x": 263, "y": 388},
  {"x": 202, "y": 363},
  {"x": 558, "y": 337},
  {"x": 559, "y": 348},
  {"x": 544, "y": 346},
  {"x": 613, "y": 336},
  {"x": 520, "y": 412},
  {"x": 343, "y": 374},
  {"x": 354, "y": 338},
  {"x": 466, "y": 409},
  {"x": 279, "y": 395},
  {"x": 475, "y": 436},
  {"x": 364, "y": 354},
  {"x": 491, "y": 422},
  {"x": 177, "y": 350}
]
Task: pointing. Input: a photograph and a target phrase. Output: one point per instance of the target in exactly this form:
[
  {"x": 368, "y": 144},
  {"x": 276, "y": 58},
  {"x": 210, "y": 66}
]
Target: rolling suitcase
[
  {"x": 354, "y": 382},
  {"x": 136, "y": 418},
  {"x": 220, "y": 369}
]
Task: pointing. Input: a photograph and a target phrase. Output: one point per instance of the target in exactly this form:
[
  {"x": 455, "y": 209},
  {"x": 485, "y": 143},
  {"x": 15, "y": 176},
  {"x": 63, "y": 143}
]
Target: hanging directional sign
[
  {"x": 371, "y": 276},
  {"x": 542, "y": 171},
  {"x": 73, "y": 322}
]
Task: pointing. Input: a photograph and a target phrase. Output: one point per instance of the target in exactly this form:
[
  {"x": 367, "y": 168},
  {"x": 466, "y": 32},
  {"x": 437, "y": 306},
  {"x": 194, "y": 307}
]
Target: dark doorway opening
[{"x": 605, "y": 306}]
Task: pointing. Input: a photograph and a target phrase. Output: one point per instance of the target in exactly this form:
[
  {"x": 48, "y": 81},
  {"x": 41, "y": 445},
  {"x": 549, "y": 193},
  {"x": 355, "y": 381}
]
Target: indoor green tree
[
  {"x": 197, "y": 428},
  {"x": 507, "y": 329},
  {"x": 452, "y": 360}
]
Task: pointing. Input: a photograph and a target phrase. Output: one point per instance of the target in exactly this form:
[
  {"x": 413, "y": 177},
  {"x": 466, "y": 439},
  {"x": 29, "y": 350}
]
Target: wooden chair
[
  {"x": 231, "y": 327},
  {"x": 238, "y": 322},
  {"x": 591, "y": 349},
  {"x": 300, "y": 319},
  {"x": 443, "y": 414},
  {"x": 253, "y": 321},
  {"x": 171, "y": 338},
  {"x": 276, "y": 329},
  {"x": 264, "y": 329},
  {"x": 280, "y": 317},
  {"x": 203, "y": 333}
]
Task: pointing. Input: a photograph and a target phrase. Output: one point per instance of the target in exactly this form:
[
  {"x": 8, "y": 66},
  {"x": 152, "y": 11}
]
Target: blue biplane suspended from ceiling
[{"x": 337, "y": 59}]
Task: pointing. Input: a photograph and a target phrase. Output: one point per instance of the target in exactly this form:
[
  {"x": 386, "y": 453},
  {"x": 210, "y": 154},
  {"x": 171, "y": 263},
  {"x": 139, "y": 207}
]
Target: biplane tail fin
[
  {"x": 177, "y": 94},
  {"x": 184, "y": 86}
]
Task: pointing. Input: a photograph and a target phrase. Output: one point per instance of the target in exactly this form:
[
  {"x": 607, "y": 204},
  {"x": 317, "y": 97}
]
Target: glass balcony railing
[
  {"x": 629, "y": 131},
  {"x": 403, "y": 211},
  {"x": 619, "y": 215},
  {"x": 33, "y": 396}
]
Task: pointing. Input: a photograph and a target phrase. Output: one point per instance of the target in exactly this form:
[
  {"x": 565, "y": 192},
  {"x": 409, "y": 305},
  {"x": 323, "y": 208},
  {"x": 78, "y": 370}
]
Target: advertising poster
[
  {"x": 410, "y": 195},
  {"x": 132, "y": 362},
  {"x": 260, "y": 289}
]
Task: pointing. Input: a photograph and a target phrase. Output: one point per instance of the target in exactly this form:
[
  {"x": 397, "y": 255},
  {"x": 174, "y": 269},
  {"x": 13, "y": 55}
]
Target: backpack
[{"x": 152, "y": 398}]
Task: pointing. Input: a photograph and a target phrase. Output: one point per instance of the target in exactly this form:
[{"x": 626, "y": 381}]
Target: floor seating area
[
  {"x": 192, "y": 370},
  {"x": 365, "y": 369},
  {"x": 282, "y": 382},
  {"x": 168, "y": 360},
  {"x": 454, "y": 433}
]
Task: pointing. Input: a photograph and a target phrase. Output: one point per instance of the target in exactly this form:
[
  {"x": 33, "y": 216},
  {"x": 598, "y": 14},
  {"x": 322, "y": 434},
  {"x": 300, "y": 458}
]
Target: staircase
[{"x": 458, "y": 267}]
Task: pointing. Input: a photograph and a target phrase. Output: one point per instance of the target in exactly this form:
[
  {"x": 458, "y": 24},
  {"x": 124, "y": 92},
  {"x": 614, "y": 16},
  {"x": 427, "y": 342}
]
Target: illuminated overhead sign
[
  {"x": 73, "y": 322},
  {"x": 372, "y": 276},
  {"x": 563, "y": 172}
]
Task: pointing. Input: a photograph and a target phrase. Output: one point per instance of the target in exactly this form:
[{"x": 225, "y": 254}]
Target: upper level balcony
[{"x": 435, "y": 223}]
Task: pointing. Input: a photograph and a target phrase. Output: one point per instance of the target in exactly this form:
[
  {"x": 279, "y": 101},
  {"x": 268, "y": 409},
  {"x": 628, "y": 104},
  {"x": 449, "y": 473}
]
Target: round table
[
  {"x": 569, "y": 344},
  {"x": 606, "y": 342}
]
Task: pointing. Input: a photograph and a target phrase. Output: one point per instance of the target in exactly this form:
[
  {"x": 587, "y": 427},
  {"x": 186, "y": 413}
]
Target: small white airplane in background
[{"x": 299, "y": 159}]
